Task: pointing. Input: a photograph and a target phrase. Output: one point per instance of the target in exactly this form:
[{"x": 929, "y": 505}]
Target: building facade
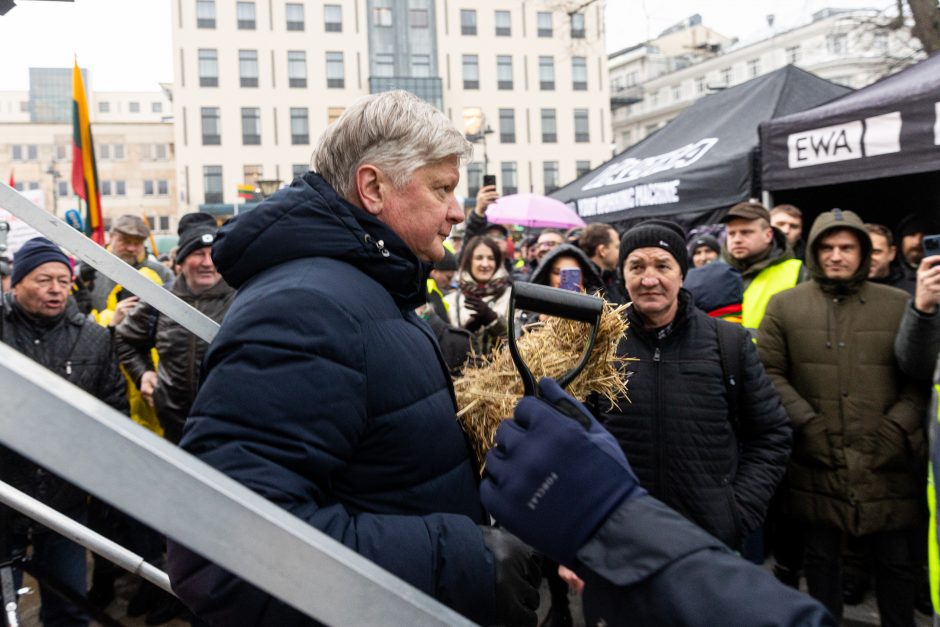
[
  {"x": 256, "y": 83},
  {"x": 653, "y": 82},
  {"x": 134, "y": 146}
]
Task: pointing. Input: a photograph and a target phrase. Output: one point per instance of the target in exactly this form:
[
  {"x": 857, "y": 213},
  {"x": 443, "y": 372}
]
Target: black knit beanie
[
  {"x": 196, "y": 230},
  {"x": 657, "y": 234},
  {"x": 33, "y": 254}
]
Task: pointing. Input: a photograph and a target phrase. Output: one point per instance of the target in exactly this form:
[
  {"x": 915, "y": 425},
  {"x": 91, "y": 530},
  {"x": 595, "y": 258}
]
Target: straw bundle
[{"x": 488, "y": 392}]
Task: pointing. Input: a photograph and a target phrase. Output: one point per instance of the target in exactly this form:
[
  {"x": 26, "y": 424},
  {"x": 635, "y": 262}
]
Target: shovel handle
[{"x": 555, "y": 302}]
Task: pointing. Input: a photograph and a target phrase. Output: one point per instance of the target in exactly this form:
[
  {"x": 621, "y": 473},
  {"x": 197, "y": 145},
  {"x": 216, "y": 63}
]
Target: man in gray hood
[{"x": 859, "y": 444}]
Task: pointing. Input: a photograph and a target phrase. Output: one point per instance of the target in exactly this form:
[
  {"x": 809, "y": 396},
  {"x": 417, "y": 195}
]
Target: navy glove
[{"x": 555, "y": 474}]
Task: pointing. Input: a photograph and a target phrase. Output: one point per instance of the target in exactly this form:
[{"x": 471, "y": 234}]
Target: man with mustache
[{"x": 859, "y": 443}]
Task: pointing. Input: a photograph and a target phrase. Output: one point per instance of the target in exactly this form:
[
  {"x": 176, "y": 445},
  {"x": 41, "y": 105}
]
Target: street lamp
[
  {"x": 51, "y": 170},
  {"x": 481, "y": 138},
  {"x": 269, "y": 186}
]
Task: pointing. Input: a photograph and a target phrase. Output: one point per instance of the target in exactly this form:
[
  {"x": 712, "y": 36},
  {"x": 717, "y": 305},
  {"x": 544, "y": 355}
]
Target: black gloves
[
  {"x": 518, "y": 575},
  {"x": 484, "y": 314}
]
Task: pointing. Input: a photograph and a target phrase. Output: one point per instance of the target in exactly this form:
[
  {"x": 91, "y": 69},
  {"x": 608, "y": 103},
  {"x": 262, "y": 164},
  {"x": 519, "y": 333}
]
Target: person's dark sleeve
[
  {"x": 765, "y": 439},
  {"x": 281, "y": 410},
  {"x": 133, "y": 339},
  {"x": 917, "y": 343},
  {"x": 475, "y": 225},
  {"x": 110, "y": 386},
  {"x": 647, "y": 565}
]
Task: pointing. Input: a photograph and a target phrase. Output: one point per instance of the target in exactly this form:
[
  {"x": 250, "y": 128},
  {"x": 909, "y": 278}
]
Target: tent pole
[{"x": 767, "y": 199}]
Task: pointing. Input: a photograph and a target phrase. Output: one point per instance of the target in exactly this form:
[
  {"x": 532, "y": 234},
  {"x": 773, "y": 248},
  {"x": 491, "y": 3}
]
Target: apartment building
[
  {"x": 256, "y": 83},
  {"x": 133, "y": 136},
  {"x": 654, "y": 81}
]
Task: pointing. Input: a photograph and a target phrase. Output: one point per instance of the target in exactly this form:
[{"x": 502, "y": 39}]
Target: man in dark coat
[
  {"x": 42, "y": 322},
  {"x": 716, "y": 465},
  {"x": 325, "y": 393},
  {"x": 859, "y": 448},
  {"x": 601, "y": 243}
]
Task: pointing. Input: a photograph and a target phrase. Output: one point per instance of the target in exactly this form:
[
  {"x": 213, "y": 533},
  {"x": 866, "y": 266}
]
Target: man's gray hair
[{"x": 395, "y": 131}]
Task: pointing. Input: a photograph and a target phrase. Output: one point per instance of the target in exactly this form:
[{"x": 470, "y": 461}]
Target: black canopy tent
[
  {"x": 875, "y": 151},
  {"x": 700, "y": 163}
]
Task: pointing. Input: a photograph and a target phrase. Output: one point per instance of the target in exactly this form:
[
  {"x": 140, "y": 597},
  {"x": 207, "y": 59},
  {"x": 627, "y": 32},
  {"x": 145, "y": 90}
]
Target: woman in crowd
[{"x": 480, "y": 304}]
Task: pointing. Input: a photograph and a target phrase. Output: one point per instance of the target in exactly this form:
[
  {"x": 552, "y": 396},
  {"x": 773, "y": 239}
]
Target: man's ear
[
  {"x": 370, "y": 187},
  {"x": 894, "y": 252},
  {"x": 769, "y": 234}
]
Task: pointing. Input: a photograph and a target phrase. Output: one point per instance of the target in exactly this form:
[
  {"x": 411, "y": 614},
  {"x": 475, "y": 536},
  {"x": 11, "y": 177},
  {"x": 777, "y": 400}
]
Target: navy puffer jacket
[{"x": 326, "y": 394}]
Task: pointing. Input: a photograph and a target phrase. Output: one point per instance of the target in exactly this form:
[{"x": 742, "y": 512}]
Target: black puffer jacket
[
  {"x": 676, "y": 432},
  {"x": 79, "y": 351},
  {"x": 179, "y": 350}
]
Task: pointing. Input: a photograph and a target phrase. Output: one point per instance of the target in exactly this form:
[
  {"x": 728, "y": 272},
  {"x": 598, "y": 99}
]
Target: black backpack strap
[{"x": 730, "y": 355}]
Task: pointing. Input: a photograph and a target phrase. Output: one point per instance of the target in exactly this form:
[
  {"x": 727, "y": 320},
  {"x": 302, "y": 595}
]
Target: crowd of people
[{"x": 777, "y": 394}]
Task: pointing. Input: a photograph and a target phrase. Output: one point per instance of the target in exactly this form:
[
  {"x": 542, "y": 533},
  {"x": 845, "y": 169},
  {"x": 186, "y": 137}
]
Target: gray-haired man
[{"x": 325, "y": 393}]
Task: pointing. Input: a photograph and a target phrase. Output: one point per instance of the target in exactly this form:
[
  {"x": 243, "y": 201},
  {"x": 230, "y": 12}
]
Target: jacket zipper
[{"x": 658, "y": 443}]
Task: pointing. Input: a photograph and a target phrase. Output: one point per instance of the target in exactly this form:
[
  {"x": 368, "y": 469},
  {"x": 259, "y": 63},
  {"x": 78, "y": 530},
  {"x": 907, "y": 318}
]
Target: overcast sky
[{"x": 126, "y": 44}]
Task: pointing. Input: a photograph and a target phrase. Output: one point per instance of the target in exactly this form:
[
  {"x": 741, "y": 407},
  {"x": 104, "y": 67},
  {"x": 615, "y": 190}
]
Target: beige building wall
[{"x": 277, "y": 155}]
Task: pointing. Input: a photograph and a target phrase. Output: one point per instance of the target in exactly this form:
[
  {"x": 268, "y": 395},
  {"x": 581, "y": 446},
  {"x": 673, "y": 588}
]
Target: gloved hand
[
  {"x": 484, "y": 312},
  {"x": 473, "y": 324},
  {"x": 555, "y": 474},
  {"x": 518, "y": 575}
]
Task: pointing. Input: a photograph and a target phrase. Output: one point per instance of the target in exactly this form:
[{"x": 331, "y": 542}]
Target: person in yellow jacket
[{"x": 760, "y": 253}]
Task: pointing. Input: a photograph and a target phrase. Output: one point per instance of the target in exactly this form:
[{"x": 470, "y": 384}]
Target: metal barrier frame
[{"x": 73, "y": 434}]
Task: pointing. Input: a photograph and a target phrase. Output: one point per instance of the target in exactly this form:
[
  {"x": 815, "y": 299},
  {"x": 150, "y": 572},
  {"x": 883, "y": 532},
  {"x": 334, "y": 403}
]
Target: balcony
[{"x": 625, "y": 96}]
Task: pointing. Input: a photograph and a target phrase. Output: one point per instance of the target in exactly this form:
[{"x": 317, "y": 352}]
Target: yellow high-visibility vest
[
  {"x": 433, "y": 289},
  {"x": 771, "y": 280},
  {"x": 933, "y": 551}
]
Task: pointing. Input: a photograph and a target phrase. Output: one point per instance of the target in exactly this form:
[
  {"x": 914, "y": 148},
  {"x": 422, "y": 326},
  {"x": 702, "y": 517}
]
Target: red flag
[
  {"x": 84, "y": 170},
  {"x": 12, "y": 182}
]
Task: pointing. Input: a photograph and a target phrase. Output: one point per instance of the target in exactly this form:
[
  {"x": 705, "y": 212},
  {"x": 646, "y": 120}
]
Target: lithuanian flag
[{"x": 84, "y": 171}]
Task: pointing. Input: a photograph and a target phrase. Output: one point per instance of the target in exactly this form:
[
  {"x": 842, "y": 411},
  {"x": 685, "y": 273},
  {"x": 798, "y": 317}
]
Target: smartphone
[
  {"x": 570, "y": 279},
  {"x": 489, "y": 179},
  {"x": 931, "y": 245}
]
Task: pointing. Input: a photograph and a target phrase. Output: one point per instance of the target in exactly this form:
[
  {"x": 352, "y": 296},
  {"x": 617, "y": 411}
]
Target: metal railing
[{"x": 61, "y": 427}]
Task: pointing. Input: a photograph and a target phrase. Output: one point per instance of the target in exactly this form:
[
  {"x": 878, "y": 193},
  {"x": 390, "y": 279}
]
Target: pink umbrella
[{"x": 532, "y": 210}]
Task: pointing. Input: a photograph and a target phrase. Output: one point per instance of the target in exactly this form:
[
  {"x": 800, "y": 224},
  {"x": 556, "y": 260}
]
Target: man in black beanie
[
  {"x": 715, "y": 460},
  {"x": 42, "y": 322}
]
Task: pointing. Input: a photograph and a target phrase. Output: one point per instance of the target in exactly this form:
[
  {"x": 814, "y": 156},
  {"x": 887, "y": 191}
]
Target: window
[
  {"x": 581, "y": 131},
  {"x": 468, "y": 22},
  {"x": 753, "y": 68},
  {"x": 544, "y": 23},
  {"x": 793, "y": 54},
  {"x": 16, "y": 152},
  {"x": 581, "y": 168},
  {"x": 105, "y": 188},
  {"x": 384, "y": 65},
  {"x": 118, "y": 150},
  {"x": 546, "y": 73},
  {"x": 626, "y": 139},
  {"x": 700, "y": 85},
  {"x": 205, "y": 13},
  {"x": 61, "y": 152},
  {"x": 251, "y": 126},
  {"x": 297, "y": 68},
  {"x": 471, "y": 71},
  {"x": 208, "y": 67},
  {"x": 104, "y": 151},
  {"x": 550, "y": 176},
  {"x": 295, "y": 16},
  {"x": 507, "y": 175},
  {"x": 62, "y": 188},
  {"x": 654, "y": 99},
  {"x": 474, "y": 178},
  {"x": 246, "y": 15},
  {"x": 333, "y": 18},
  {"x": 120, "y": 188},
  {"x": 33, "y": 185},
  {"x": 299, "y": 169},
  {"x": 503, "y": 24},
  {"x": 507, "y": 126},
  {"x": 133, "y": 107},
  {"x": 382, "y": 16},
  {"x": 251, "y": 174},
  {"x": 299, "y": 126},
  {"x": 163, "y": 189},
  {"x": 549, "y": 127},
  {"x": 212, "y": 183},
  {"x": 418, "y": 18},
  {"x": 24, "y": 106},
  {"x": 577, "y": 26},
  {"x": 333, "y": 113},
  {"x": 248, "y": 68},
  {"x": 156, "y": 107},
  {"x": 880, "y": 41},
  {"x": 504, "y": 71},
  {"x": 32, "y": 152},
  {"x": 726, "y": 75},
  {"x": 104, "y": 107},
  {"x": 164, "y": 222},
  {"x": 838, "y": 44},
  {"x": 150, "y": 222},
  {"x": 421, "y": 65},
  {"x": 579, "y": 73},
  {"x": 335, "y": 72},
  {"x": 148, "y": 188},
  {"x": 677, "y": 92},
  {"x": 159, "y": 152},
  {"x": 211, "y": 126}
]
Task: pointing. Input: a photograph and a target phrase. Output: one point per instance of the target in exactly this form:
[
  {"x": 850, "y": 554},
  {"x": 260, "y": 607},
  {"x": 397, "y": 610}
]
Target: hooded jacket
[
  {"x": 859, "y": 446},
  {"x": 591, "y": 281},
  {"x": 325, "y": 393}
]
